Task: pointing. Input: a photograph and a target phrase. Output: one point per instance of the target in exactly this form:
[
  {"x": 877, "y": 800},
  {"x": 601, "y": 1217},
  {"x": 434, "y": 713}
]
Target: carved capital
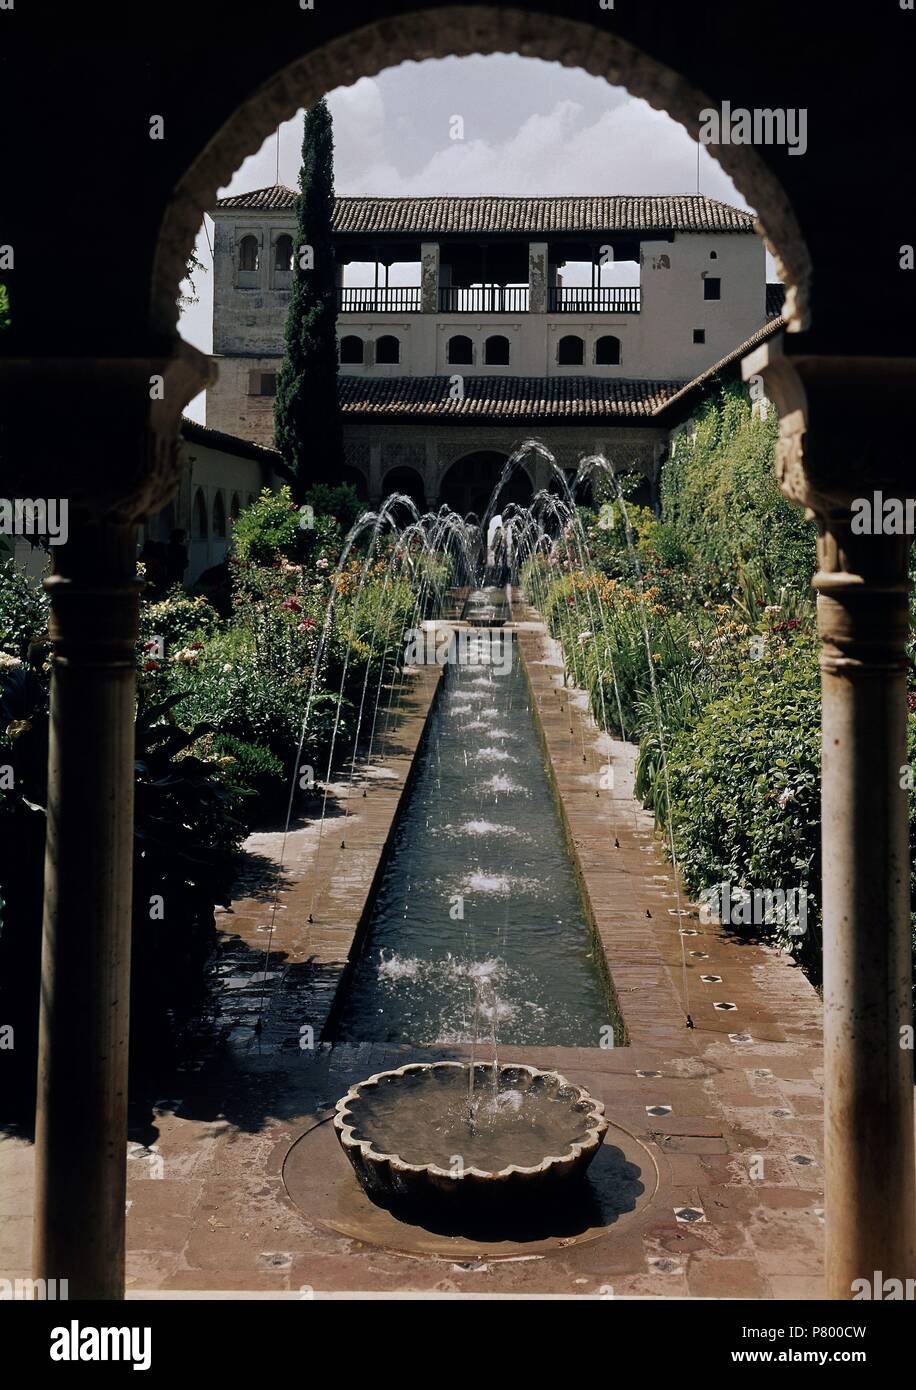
[
  {"x": 100, "y": 432},
  {"x": 845, "y": 431}
]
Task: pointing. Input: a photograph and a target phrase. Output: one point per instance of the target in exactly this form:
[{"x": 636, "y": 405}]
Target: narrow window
[
  {"x": 571, "y": 351},
  {"x": 283, "y": 253},
  {"x": 249, "y": 256},
  {"x": 496, "y": 351},
  {"x": 352, "y": 350},
  {"x": 607, "y": 351},
  {"x": 200, "y": 528},
  {"x": 699, "y": 335},
  {"x": 219, "y": 516},
  {"x": 712, "y": 287},
  {"x": 387, "y": 350},
  {"x": 460, "y": 351}
]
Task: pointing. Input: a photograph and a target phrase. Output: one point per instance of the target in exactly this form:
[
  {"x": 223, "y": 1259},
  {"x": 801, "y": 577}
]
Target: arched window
[
  {"x": 219, "y": 516},
  {"x": 249, "y": 254},
  {"x": 387, "y": 350},
  {"x": 283, "y": 253},
  {"x": 460, "y": 352},
  {"x": 607, "y": 351},
  {"x": 496, "y": 351},
  {"x": 571, "y": 352},
  {"x": 235, "y": 507},
  {"x": 351, "y": 350},
  {"x": 200, "y": 528}
]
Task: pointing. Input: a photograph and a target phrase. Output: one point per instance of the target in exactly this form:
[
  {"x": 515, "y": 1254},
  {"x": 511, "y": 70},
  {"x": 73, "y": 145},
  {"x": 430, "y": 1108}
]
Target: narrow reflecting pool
[{"x": 478, "y": 922}]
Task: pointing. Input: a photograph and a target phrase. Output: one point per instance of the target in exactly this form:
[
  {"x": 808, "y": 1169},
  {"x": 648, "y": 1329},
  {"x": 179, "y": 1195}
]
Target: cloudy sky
[{"x": 529, "y": 127}]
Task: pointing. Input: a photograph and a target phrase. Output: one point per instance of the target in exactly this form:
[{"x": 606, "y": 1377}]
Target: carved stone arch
[{"x": 460, "y": 31}]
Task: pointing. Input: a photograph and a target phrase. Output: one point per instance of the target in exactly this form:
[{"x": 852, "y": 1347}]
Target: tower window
[
  {"x": 712, "y": 287},
  {"x": 571, "y": 351},
  {"x": 262, "y": 383},
  {"x": 699, "y": 335},
  {"x": 283, "y": 253},
  {"x": 249, "y": 253}
]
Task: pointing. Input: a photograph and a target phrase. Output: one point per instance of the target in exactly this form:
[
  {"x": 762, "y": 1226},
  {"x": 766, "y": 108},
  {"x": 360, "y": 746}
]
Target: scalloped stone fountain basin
[{"x": 419, "y": 1136}]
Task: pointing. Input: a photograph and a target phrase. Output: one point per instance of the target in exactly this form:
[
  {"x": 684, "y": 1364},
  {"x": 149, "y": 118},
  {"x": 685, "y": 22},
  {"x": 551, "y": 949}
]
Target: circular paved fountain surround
[{"x": 617, "y": 1191}]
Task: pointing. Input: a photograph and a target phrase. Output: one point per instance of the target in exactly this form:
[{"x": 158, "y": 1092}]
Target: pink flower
[
  {"x": 306, "y": 625},
  {"x": 292, "y": 604}
]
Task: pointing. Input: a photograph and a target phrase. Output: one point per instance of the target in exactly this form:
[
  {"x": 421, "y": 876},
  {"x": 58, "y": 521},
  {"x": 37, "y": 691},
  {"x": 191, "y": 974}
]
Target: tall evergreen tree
[{"x": 307, "y": 421}]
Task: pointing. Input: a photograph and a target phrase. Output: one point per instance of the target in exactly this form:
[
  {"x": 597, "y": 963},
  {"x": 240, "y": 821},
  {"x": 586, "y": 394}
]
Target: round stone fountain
[{"x": 449, "y": 1135}]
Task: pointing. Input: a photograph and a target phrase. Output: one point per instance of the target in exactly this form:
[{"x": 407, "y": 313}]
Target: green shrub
[
  {"x": 719, "y": 494},
  {"x": 23, "y": 610},
  {"x": 745, "y": 785}
]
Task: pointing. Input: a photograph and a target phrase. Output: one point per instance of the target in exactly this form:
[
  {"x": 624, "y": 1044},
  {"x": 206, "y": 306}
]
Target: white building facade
[{"x": 467, "y": 325}]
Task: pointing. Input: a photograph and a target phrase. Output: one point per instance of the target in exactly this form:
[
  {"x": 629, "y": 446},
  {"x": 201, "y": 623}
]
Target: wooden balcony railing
[
  {"x": 483, "y": 299},
  {"x": 391, "y": 299},
  {"x": 597, "y": 299}
]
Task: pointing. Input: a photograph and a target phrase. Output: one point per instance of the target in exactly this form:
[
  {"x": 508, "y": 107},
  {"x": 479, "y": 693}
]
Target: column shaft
[{"x": 81, "y": 1120}]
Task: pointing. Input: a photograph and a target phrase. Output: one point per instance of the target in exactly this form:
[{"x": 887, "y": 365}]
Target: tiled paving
[{"x": 728, "y": 1111}]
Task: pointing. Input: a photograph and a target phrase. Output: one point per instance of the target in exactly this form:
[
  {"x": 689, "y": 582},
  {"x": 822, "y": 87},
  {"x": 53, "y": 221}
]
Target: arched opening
[
  {"x": 407, "y": 481},
  {"x": 452, "y": 32},
  {"x": 235, "y": 508},
  {"x": 356, "y": 479},
  {"x": 283, "y": 253},
  {"x": 219, "y": 517},
  {"x": 468, "y": 484},
  {"x": 460, "y": 351},
  {"x": 570, "y": 351},
  {"x": 387, "y": 350},
  {"x": 352, "y": 350},
  {"x": 496, "y": 351},
  {"x": 249, "y": 254},
  {"x": 607, "y": 351},
  {"x": 200, "y": 526}
]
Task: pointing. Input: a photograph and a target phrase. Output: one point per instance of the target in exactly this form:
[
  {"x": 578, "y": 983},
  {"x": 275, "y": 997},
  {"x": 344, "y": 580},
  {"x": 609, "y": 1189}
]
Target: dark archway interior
[
  {"x": 468, "y": 485},
  {"x": 407, "y": 481}
]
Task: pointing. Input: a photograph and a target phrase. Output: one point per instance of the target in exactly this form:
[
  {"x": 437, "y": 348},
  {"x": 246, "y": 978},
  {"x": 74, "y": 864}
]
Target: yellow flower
[{"x": 18, "y": 726}]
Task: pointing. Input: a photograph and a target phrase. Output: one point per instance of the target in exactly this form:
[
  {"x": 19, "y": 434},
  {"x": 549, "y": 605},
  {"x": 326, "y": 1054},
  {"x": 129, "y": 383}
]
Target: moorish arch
[
  {"x": 468, "y": 484},
  {"x": 840, "y": 422},
  {"x": 459, "y": 31},
  {"x": 406, "y": 481}
]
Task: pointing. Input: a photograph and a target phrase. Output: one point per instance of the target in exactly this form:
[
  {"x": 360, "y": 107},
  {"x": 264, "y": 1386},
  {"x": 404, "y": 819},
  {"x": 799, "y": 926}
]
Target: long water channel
[{"x": 478, "y": 920}]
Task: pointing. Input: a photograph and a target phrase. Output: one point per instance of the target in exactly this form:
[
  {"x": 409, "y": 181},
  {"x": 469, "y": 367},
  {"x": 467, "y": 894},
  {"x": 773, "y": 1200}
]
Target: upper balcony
[
  {"x": 594, "y": 299},
  {"x": 382, "y": 299},
  {"x": 483, "y": 299},
  {"x": 489, "y": 299}
]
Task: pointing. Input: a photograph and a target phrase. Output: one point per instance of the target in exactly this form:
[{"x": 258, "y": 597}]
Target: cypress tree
[{"x": 307, "y": 423}]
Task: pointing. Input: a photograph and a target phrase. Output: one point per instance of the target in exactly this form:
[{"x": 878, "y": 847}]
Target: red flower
[
  {"x": 151, "y": 665},
  {"x": 292, "y": 604}
]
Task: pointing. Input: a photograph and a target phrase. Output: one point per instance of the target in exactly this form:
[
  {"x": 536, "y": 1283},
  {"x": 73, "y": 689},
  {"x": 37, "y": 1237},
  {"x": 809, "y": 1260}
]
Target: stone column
[
  {"x": 841, "y": 426},
  {"x": 81, "y": 1116},
  {"x": 120, "y": 462},
  {"x": 537, "y": 277},
  {"x": 429, "y": 277}
]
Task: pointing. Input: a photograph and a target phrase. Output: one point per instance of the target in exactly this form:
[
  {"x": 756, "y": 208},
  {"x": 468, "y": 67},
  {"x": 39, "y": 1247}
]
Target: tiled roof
[
  {"x": 776, "y": 298},
  {"x": 193, "y": 432},
  {"x": 769, "y": 330},
  {"x": 277, "y": 197},
  {"x": 566, "y": 398},
  {"x": 422, "y": 216}
]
